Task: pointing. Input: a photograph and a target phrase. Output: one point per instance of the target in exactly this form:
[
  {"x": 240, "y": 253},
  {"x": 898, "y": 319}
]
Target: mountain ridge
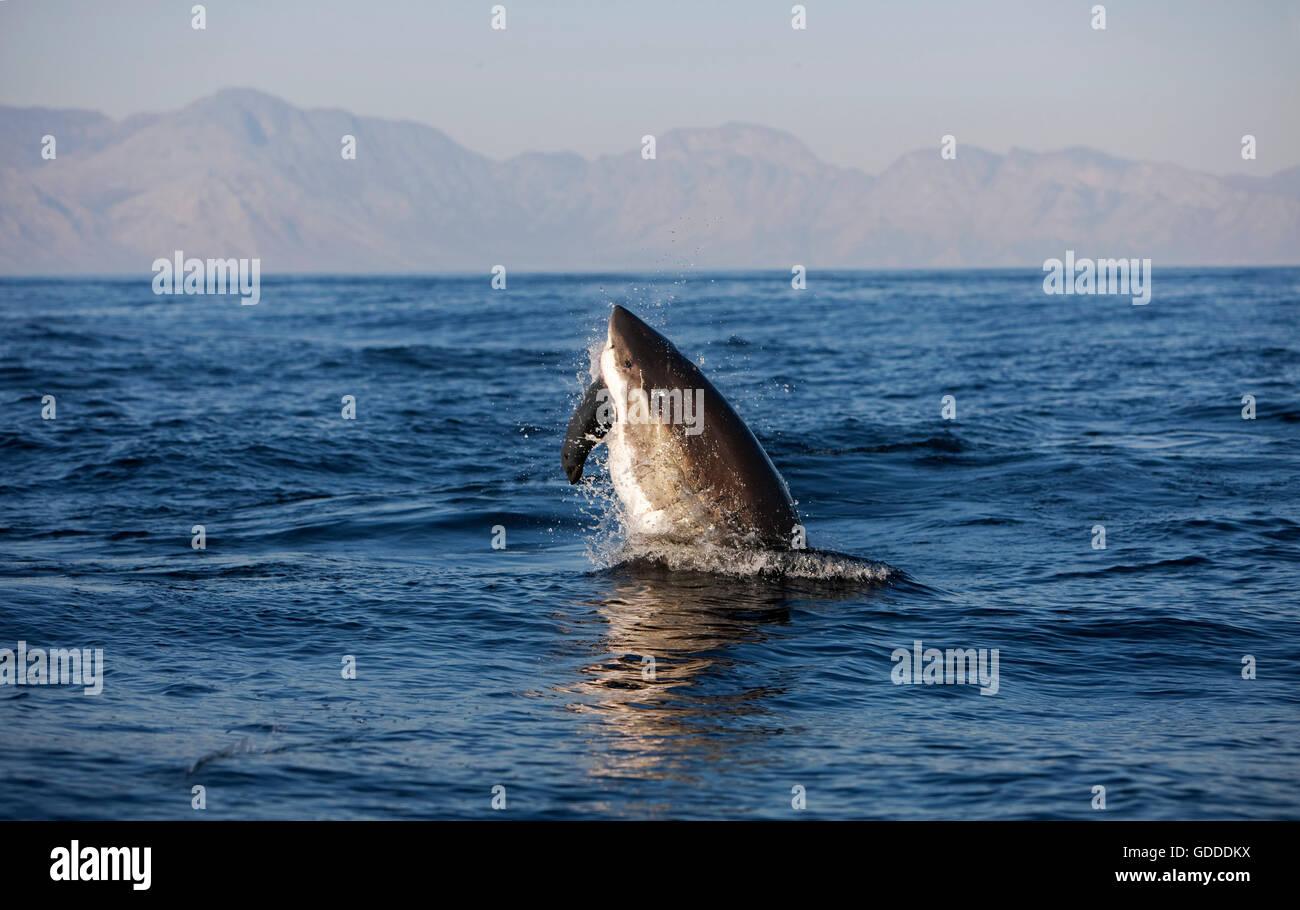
[{"x": 245, "y": 173}]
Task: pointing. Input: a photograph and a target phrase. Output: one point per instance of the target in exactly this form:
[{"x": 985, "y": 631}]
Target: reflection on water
[{"x": 673, "y": 681}]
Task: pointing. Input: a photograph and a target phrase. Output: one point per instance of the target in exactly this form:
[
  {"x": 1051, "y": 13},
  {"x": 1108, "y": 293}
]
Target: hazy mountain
[
  {"x": 242, "y": 173},
  {"x": 1286, "y": 183}
]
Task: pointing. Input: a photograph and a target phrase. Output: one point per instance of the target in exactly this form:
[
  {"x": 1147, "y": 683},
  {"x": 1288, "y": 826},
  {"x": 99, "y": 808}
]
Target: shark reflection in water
[{"x": 681, "y": 679}]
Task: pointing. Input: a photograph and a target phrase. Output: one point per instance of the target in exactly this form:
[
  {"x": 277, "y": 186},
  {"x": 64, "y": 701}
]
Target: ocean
[{"x": 348, "y": 642}]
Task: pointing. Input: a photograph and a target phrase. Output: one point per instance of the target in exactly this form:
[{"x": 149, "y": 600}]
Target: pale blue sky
[{"x": 1167, "y": 81}]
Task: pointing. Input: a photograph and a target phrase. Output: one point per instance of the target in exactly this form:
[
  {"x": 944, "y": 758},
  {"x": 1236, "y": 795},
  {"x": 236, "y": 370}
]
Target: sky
[{"x": 866, "y": 81}]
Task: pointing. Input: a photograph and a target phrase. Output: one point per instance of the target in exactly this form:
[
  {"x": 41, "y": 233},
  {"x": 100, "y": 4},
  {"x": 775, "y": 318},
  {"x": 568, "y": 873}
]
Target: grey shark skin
[{"x": 681, "y": 479}]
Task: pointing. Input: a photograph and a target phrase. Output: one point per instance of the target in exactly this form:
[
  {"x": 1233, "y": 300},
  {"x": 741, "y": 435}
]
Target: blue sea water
[{"x": 524, "y": 667}]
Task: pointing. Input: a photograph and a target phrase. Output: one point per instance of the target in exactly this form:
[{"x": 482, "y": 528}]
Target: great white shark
[{"x": 682, "y": 461}]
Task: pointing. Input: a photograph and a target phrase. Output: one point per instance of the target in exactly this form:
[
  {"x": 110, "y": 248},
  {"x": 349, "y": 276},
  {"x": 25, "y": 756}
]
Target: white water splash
[
  {"x": 704, "y": 556},
  {"x": 612, "y": 544}
]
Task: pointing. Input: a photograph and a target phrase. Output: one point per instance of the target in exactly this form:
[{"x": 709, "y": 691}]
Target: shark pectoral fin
[{"x": 590, "y": 422}]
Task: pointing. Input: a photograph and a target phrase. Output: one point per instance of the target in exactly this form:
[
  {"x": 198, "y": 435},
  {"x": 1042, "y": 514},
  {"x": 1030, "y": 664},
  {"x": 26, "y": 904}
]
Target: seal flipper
[{"x": 587, "y": 427}]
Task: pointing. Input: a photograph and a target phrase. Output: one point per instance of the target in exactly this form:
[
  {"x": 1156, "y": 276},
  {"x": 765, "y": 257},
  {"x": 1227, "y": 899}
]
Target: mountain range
[{"x": 245, "y": 174}]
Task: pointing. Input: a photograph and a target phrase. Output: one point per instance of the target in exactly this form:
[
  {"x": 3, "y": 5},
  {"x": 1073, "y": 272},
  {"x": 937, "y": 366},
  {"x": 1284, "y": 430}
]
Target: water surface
[{"x": 526, "y": 667}]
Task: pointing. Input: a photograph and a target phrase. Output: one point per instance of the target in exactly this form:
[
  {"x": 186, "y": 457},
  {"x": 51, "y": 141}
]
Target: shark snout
[{"x": 620, "y": 321}]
